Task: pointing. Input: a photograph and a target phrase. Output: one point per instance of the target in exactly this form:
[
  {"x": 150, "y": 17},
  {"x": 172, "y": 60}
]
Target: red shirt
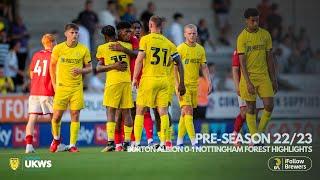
[
  {"x": 135, "y": 45},
  {"x": 236, "y": 61},
  {"x": 41, "y": 81}
]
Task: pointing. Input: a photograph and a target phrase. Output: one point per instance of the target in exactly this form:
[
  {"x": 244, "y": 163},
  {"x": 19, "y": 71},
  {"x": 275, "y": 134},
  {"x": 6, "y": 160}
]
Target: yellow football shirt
[
  {"x": 68, "y": 58},
  {"x": 3, "y": 81},
  {"x": 171, "y": 78},
  {"x": 192, "y": 57},
  {"x": 159, "y": 51},
  {"x": 110, "y": 57},
  {"x": 254, "y": 46},
  {"x": 123, "y": 6}
]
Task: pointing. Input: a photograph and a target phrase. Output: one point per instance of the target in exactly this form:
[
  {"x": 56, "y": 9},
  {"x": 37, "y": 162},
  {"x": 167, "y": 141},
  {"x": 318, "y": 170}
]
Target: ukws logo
[
  {"x": 29, "y": 163},
  {"x": 14, "y": 163},
  {"x": 290, "y": 163},
  {"x": 36, "y": 163}
]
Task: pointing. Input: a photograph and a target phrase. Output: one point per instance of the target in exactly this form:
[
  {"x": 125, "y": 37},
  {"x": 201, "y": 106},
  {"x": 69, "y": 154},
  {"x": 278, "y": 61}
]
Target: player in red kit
[
  {"x": 41, "y": 90},
  {"x": 240, "y": 119}
]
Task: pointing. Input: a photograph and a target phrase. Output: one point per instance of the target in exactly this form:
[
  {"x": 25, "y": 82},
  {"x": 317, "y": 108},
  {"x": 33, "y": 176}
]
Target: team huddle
[{"x": 142, "y": 73}]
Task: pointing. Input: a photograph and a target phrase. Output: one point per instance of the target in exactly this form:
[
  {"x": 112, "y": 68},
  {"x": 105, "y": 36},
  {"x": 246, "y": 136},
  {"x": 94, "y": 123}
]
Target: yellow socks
[
  {"x": 55, "y": 128},
  {"x": 265, "y": 118},
  {"x": 111, "y": 126},
  {"x": 74, "y": 131},
  {"x": 164, "y": 127},
  {"x": 127, "y": 133},
  {"x": 188, "y": 120},
  {"x": 138, "y": 127},
  {"x": 169, "y": 134},
  {"x": 181, "y": 130},
  {"x": 251, "y": 123}
]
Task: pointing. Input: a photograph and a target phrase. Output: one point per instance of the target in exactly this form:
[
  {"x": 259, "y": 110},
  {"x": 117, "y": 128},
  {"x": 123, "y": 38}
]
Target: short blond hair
[
  {"x": 48, "y": 39},
  {"x": 190, "y": 26}
]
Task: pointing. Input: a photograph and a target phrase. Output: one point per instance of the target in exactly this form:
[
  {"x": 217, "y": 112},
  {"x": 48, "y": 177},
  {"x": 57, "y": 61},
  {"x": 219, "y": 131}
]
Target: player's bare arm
[
  {"x": 272, "y": 71},
  {"x": 78, "y": 71},
  {"x": 118, "y": 47},
  {"x": 137, "y": 68},
  {"x": 181, "y": 87},
  {"x": 53, "y": 67},
  {"x": 176, "y": 80},
  {"x": 120, "y": 66},
  {"x": 236, "y": 78},
  {"x": 205, "y": 72},
  {"x": 30, "y": 73},
  {"x": 87, "y": 68},
  {"x": 243, "y": 65}
]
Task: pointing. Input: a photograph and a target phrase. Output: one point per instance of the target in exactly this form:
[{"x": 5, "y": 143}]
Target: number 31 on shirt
[{"x": 157, "y": 57}]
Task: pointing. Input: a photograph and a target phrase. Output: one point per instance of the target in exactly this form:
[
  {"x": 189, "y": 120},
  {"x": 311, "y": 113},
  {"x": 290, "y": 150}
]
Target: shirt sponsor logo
[
  {"x": 70, "y": 60},
  {"x": 255, "y": 48},
  {"x": 192, "y": 61}
]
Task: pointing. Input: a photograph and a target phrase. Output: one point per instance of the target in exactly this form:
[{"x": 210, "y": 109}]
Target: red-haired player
[{"x": 41, "y": 90}]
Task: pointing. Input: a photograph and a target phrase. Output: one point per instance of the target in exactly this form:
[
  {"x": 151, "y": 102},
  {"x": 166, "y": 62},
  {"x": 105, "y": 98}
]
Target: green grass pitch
[{"x": 91, "y": 164}]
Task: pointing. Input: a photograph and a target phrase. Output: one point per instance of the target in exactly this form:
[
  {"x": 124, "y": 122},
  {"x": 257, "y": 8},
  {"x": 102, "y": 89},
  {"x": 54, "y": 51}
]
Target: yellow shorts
[
  {"x": 68, "y": 96},
  {"x": 262, "y": 84},
  {"x": 190, "y": 98},
  {"x": 153, "y": 92},
  {"x": 118, "y": 96}
]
